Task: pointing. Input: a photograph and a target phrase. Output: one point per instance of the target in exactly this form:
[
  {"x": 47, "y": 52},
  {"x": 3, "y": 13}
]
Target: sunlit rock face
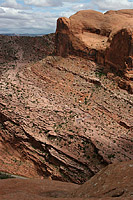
[{"x": 105, "y": 38}]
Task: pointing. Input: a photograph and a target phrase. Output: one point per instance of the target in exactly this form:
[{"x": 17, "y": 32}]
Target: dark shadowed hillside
[{"x": 25, "y": 48}]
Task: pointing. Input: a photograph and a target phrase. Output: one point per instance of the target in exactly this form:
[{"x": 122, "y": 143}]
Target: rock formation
[
  {"x": 66, "y": 118},
  {"x": 105, "y": 38},
  {"x": 114, "y": 181}
]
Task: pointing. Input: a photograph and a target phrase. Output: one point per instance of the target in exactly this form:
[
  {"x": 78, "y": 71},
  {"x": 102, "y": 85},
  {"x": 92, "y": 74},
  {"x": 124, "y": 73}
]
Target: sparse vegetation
[
  {"x": 71, "y": 117},
  {"x": 5, "y": 176}
]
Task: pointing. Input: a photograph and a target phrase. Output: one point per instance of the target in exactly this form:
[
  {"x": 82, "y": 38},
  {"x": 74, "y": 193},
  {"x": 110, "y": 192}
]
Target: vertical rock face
[
  {"x": 120, "y": 53},
  {"x": 63, "y": 43},
  {"x": 105, "y": 38}
]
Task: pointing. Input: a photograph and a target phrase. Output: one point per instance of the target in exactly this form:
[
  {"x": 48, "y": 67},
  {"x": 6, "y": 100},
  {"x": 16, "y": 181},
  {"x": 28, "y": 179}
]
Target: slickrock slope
[
  {"x": 63, "y": 118},
  {"x": 105, "y": 38},
  {"x": 113, "y": 182}
]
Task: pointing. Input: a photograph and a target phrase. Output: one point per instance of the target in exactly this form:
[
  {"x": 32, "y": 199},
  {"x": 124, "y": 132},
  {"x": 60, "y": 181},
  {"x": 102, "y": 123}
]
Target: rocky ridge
[{"x": 23, "y": 49}]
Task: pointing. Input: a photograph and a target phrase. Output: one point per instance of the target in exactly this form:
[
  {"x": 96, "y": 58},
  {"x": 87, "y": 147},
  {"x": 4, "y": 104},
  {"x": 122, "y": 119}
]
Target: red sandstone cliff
[{"x": 105, "y": 38}]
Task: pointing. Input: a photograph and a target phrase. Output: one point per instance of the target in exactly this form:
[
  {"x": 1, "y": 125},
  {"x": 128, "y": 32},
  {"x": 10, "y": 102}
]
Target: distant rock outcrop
[
  {"x": 105, "y": 38},
  {"x": 25, "y": 48}
]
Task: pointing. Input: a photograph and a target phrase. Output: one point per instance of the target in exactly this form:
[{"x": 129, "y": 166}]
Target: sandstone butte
[
  {"x": 72, "y": 127},
  {"x": 105, "y": 38}
]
